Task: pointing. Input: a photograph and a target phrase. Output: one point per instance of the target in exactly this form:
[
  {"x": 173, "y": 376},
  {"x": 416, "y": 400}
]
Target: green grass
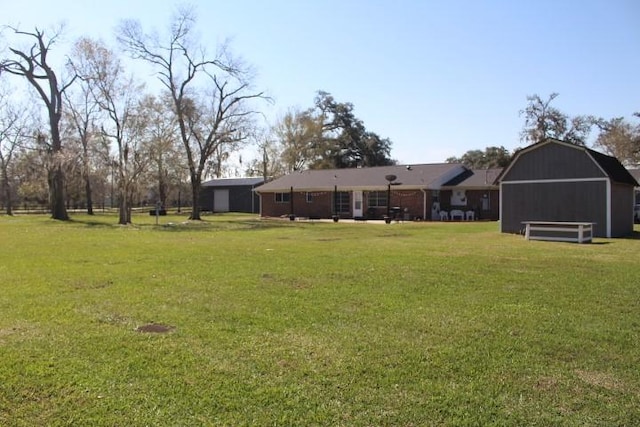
[{"x": 280, "y": 323}]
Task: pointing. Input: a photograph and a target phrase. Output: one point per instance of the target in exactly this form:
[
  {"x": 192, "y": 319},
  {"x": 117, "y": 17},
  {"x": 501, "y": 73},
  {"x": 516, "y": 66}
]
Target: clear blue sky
[{"x": 436, "y": 77}]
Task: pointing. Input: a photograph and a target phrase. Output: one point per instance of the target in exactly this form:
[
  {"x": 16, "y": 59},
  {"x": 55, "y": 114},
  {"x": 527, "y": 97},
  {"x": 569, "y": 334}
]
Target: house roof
[
  {"x": 422, "y": 176},
  {"x": 475, "y": 178},
  {"x": 233, "y": 182},
  {"x": 611, "y": 166}
]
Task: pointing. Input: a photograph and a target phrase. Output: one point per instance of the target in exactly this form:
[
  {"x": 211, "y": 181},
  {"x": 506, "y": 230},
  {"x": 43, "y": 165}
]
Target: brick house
[{"x": 410, "y": 191}]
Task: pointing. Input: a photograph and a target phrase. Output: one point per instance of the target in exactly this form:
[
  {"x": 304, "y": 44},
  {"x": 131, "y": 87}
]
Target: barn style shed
[{"x": 557, "y": 181}]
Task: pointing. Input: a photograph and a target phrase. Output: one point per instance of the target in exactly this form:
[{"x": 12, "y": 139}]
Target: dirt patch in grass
[
  {"x": 547, "y": 384},
  {"x": 155, "y": 328},
  {"x": 600, "y": 379}
]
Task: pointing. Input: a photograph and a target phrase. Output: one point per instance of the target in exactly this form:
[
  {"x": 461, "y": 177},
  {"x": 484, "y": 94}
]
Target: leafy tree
[
  {"x": 542, "y": 121},
  {"x": 33, "y": 65},
  {"x": 344, "y": 141},
  {"x": 211, "y": 116},
  {"x": 620, "y": 138},
  {"x": 491, "y": 157}
]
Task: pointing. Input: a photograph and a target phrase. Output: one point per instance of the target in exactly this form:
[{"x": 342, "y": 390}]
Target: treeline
[
  {"x": 617, "y": 136},
  {"x": 91, "y": 134}
]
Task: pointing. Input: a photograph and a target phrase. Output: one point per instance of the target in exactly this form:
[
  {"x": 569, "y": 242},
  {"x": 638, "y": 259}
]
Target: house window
[
  {"x": 377, "y": 199},
  {"x": 283, "y": 197},
  {"x": 309, "y": 197},
  {"x": 342, "y": 202},
  {"x": 458, "y": 198}
]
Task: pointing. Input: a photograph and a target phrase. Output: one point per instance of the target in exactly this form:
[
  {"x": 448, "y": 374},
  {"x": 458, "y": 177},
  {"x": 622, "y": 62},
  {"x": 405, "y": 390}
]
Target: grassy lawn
[{"x": 279, "y": 323}]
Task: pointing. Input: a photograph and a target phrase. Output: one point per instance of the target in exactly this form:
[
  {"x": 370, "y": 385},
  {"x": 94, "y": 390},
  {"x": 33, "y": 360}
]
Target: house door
[
  {"x": 221, "y": 200},
  {"x": 357, "y": 203}
]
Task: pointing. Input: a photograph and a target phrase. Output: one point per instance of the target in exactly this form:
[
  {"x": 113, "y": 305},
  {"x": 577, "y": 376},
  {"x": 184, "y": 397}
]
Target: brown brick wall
[
  {"x": 321, "y": 205},
  {"x": 409, "y": 201}
]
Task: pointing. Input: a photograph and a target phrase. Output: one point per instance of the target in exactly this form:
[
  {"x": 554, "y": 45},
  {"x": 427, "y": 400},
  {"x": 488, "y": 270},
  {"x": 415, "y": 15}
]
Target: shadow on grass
[
  {"x": 92, "y": 223},
  {"x": 217, "y": 225},
  {"x": 633, "y": 236}
]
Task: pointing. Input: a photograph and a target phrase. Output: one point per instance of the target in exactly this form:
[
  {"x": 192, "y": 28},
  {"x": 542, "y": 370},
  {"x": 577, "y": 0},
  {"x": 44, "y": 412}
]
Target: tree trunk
[
  {"x": 195, "y": 190},
  {"x": 7, "y": 193},
  {"x": 87, "y": 179},
  {"x": 87, "y": 186},
  {"x": 162, "y": 189},
  {"x": 124, "y": 212},
  {"x": 56, "y": 194}
]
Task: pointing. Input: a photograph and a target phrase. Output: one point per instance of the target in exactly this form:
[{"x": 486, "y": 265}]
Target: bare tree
[
  {"x": 32, "y": 64},
  {"x": 270, "y": 164},
  {"x": 298, "y": 133},
  {"x": 161, "y": 134},
  {"x": 81, "y": 114},
  {"x": 13, "y": 134},
  {"x": 117, "y": 95},
  {"x": 222, "y": 118}
]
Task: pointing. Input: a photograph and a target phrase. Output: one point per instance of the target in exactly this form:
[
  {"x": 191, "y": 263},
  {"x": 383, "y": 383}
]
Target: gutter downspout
[
  {"x": 424, "y": 204},
  {"x": 260, "y": 202},
  {"x": 500, "y": 222},
  {"x": 253, "y": 205}
]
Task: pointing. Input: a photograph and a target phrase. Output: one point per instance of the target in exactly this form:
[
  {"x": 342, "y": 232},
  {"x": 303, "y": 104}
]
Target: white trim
[
  {"x": 584, "y": 230},
  {"x": 501, "y": 205},
  {"x": 545, "y": 181},
  {"x": 558, "y": 239},
  {"x": 608, "y": 208},
  {"x": 596, "y": 163}
]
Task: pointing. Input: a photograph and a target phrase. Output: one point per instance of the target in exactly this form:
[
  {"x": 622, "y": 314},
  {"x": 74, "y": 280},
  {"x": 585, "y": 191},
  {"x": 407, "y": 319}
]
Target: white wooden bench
[{"x": 561, "y": 231}]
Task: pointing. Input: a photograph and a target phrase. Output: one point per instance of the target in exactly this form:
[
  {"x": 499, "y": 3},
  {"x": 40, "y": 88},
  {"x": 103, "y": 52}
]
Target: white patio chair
[{"x": 456, "y": 213}]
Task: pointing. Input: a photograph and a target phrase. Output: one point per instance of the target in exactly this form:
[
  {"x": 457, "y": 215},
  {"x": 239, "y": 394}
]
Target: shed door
[{"x": 221, "y": 200}]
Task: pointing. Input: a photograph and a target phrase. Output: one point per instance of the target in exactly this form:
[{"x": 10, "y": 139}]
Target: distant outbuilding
[
  {"x": 230, "y": 195},
  {"x": 557, "y": 181}
]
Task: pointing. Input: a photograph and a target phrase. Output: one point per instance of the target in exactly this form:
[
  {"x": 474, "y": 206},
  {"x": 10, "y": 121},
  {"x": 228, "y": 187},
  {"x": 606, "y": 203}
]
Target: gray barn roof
[
  {"x": 611, "y": 166},
  {"x": 636, "y": 174},
  {"x": 424, "y": 176},
  {"x": 233, "y": 182}
]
